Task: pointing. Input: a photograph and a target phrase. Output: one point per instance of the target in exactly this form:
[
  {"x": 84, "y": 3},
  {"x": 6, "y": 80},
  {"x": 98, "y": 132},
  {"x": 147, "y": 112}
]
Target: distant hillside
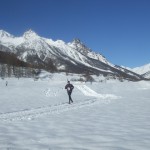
[
  {"x": 11, "y": 59},
  {"x": 142, "y": 70}
]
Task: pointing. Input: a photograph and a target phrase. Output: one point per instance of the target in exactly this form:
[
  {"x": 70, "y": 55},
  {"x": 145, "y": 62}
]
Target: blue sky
[{"x": 118, "y": 29}]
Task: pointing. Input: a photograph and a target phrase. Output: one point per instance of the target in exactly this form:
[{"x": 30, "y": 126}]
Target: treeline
[
  {"x": 10, "y": 66},
  {"x": 11, "y": 59},
  {"x": 7, "y": 70}
]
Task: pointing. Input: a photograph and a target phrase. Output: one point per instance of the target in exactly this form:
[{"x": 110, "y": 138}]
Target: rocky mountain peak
[
  {"x": 77, "y": 44},
  {"x": 30, "y": 34},
  {"x": 76, "y": 40},
  {"x": 4, "y": 34}
]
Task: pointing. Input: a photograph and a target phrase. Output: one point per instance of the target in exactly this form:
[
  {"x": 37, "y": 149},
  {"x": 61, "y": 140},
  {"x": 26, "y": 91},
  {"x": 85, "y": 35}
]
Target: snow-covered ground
[{"x": 111, "y": 115}]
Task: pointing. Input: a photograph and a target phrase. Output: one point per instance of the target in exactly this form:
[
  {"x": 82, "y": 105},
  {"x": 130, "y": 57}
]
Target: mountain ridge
[
  {"x": 68, "y": 57},
  {"x": 143, "y": 70}
]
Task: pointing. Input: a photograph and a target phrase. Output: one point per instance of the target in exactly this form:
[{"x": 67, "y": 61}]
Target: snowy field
[{"x": 35, "y": 115}]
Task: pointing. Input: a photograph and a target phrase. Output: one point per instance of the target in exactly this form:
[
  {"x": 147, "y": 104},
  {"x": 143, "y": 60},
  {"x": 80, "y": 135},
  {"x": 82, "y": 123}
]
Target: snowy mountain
[
  {"x": 79, "y": 46},
  {"x": 4, "y": 34},
  {"x": 143, "y": 70},
  {"x": 68, "y": 57},
  {"x": 146, "y": 75}
]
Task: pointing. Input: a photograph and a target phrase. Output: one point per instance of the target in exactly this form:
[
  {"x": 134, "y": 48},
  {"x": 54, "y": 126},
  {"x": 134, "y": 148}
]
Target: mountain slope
[
  {"x": 146, "y": 75},
  {"x": 10, "y": 58},
  {"x": 142, "y": 69},
  {"x": 69, "y": 57}
]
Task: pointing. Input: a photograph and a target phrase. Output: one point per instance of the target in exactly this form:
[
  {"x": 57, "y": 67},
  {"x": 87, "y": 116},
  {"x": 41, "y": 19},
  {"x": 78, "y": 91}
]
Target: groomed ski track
[{"x": 31, "y": 114}]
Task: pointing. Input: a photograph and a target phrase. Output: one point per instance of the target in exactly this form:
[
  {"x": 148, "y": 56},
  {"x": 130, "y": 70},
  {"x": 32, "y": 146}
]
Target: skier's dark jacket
[{"x": 69, "y": 88}]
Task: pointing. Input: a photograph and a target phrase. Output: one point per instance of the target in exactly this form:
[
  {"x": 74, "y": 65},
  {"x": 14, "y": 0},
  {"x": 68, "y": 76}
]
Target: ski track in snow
[
  {"x": 30, "y": 114},
  {"x": 34, "y": 113}
]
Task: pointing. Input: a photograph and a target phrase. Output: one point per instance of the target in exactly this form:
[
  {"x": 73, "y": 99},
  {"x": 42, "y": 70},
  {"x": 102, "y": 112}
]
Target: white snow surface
[{"x": 110, "y": 115}]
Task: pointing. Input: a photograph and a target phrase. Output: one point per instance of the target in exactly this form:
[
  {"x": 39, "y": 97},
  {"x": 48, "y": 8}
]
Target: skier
[{"x": 69, "y": 88}]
